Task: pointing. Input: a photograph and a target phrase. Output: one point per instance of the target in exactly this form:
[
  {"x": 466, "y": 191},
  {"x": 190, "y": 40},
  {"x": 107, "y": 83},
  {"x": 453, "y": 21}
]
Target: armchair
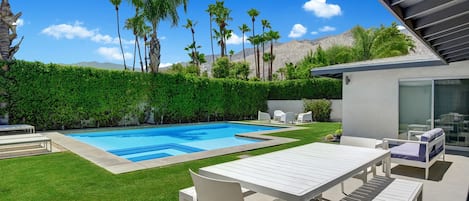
[{"x": 422, "y": 154}]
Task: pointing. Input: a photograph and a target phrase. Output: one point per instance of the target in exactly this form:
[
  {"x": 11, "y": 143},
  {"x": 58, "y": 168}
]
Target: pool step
[{"x": 136, "y": 150}]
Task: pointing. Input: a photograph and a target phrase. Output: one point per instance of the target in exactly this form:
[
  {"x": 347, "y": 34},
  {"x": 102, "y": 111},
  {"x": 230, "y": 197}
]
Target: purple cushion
[
  {"x": 431, "y": 135},
  {"x": 416, "y": 151},
  {"x": 409, "y": 151}
]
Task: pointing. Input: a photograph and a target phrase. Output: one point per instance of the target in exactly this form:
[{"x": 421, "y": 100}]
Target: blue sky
[{"x": 57, "y": 31}]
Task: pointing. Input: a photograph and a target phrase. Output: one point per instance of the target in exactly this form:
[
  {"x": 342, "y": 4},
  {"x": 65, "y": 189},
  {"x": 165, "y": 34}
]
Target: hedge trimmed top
[{"x": 52, "y": 96}]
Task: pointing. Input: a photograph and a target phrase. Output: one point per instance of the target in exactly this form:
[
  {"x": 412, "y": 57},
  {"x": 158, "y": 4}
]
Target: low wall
[{"x": 297, "y": 106}]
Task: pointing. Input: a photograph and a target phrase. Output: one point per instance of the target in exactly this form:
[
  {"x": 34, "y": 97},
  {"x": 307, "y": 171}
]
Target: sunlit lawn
[{"x": 66, "y": 176}]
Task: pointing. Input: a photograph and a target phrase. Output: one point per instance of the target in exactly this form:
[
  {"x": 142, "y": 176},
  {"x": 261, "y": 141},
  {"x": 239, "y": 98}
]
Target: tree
[
  {"x": 240, "y": 70},
  {"x": 379, "y": 43},
  {"x": 155, "y": 11},
  {"x": 253, "y": 13},
  {"x": 140, "y": 31},
  {"x": 211, "y": 11},
  {"x": 231, "y": 54},
  {"x": 272, "y": 36},
  {"x": 8, "y": 33},
  {"x": 194, "y": 53},
  {"x": 265, "y": 24},
  {"x": 255, "y": 41},
  {"x": 244, "y": 28},
  {"x": 116, "y": 4},
  {"x": 222, "y": 16},
  {"x": 221, "y": 68}
]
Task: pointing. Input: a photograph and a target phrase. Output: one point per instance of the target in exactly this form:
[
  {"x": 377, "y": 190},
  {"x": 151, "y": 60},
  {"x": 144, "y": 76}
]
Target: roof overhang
[
  {"x": 336, "y": 71},
  {"x": 442, "y": 25}
]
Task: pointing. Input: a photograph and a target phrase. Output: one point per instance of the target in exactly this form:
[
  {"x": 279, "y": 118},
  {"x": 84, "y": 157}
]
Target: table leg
[{"x": 388, "y": 166}]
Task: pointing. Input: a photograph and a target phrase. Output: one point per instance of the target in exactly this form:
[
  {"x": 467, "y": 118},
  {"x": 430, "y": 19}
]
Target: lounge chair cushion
[
  {"x": 416, "y": 151},
  {"x": 409, "y": 151},
  {"x": 431, "y": 135}
]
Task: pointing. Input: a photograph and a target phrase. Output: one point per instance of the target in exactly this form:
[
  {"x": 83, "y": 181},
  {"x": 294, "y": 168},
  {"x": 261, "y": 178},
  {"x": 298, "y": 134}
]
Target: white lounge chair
[
  {"x": 422, "y": 154},
  {"x": 278, "y": 114},
  {"x": 17, "y": 127},
  {"x": 287, "y": 117},
  {"x": 305, "y": 117},
  {"x": 263, "y": 116},
  {"x": 208, "y": 189},
  {"x": 359, "y": 142}
]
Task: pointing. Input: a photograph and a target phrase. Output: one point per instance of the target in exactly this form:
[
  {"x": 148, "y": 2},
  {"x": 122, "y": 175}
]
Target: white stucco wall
[
  {"x": 297, "y": 106},
  {"x": 371, "y": 99}
]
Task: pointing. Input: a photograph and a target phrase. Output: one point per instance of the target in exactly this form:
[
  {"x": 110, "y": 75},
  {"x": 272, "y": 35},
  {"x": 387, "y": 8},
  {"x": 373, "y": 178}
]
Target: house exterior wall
[{"x": 371, "y": 98}]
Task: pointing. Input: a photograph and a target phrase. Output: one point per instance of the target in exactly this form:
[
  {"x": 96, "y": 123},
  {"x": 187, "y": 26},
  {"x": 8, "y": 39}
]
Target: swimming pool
[{"x": 151, "y": 143}]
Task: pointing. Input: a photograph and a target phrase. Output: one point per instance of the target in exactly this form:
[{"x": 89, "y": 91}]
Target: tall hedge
[
  {"x": 317, "y": 88},
  {"x": 52, "y": 96}
]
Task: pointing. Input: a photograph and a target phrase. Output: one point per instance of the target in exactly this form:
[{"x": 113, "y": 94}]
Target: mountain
[
  {"x": 106, "y": 65},
  {"x": 294, "y": 51}
]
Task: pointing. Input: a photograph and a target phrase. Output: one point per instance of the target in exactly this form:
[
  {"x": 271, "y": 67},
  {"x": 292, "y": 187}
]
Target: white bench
[
  {"x": 38, "y": 139},
  {"x": 189, "y": 194},
  {"x": 4, "y": 137},
  {"x": 18, "y": 127},
  {"x": 387, "y": 189}
]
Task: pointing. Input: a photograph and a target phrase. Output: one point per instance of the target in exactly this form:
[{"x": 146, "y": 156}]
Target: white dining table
[{"x": 299, "y": 173}]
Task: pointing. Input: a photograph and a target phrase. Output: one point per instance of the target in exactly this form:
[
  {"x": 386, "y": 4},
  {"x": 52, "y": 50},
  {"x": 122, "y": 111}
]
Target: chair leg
[{"x": 426, "y": 173}]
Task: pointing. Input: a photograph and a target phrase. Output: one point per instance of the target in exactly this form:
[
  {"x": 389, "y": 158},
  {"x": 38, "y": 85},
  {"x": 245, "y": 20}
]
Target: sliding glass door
[
  {"x": 427, "y": 104},
  {"x": 452, "y": 110},
  {"x": 415, "y": 107}
]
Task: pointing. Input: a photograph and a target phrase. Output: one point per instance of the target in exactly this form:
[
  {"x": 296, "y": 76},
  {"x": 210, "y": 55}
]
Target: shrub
[{"x": 321, "y": 109}]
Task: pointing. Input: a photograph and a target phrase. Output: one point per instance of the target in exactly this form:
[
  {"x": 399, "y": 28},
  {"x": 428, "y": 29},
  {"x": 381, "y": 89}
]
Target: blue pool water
[{"x": 150, "y": 143}]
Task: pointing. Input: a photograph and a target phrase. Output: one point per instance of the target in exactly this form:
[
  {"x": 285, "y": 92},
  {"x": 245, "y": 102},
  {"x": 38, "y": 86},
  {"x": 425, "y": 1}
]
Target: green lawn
[{"x": 66, "y": 176}]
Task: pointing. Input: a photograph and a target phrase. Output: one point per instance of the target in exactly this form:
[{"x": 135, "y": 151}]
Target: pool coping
[{"x": 118, "y": 165}]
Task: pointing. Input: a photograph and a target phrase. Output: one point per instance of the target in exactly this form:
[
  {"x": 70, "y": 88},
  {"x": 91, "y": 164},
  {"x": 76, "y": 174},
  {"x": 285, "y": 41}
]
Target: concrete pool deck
[{"x": 118, "y": 165}]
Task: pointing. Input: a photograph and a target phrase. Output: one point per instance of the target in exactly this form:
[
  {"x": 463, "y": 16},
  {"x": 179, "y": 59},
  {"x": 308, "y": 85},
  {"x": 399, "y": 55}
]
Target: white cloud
[
  {"x": 107, "y": 39},
  {"x": 235, "y": 39},
  {"x": 297, "y": 31},
  {"x": 400, "y": 27},
  {"x": 19, "y": 22},
  {"x": 322, "y": 9},
  {"x": 68, "y": 31},
  {"x": 113, "y": 53},
  {"x": 165, "y": 65},
  {"x": 326, "y": 29},
  {"x": 72, "y": 31},
  {"x": 314, "y": 33},
  {"x": 162, "y": 38}
]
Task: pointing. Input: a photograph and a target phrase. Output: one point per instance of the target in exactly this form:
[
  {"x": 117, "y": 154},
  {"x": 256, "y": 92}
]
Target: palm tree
[
  {"x": 222, "y": 15},
  {"x": 155, "y": 11},
  {"x": 140, "y": 30},
  {"x": 190, "y": 25},
  {"x": 244, "y": 28},
  {"x": 379, "y": 43},
  {"x": 231, "y": 54},
  {"x": 211, "y": 11},
  {"x": 116, "y": 4},
  {"x": 272, "y": 36},
  {"x": 253, "y": 13},
  {"x": 255, "y": 41},
  {"x": 8, "y": 33},
  {"x": 265, "y": 24}
]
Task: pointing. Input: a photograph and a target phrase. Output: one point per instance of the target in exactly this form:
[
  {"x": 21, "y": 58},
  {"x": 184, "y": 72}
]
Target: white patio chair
[
  {"x": 305, "y": 117},
  {"x": 288, "y": 117},
  {"x": 209, "y": 189},
  {"x": 263, "y": 116},
  {"x": 359, "y": 142},
  {"x": 278, "y": 114}
]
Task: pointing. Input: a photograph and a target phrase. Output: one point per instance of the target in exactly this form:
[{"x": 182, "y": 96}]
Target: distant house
[{"x": 398, "y": 97}]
